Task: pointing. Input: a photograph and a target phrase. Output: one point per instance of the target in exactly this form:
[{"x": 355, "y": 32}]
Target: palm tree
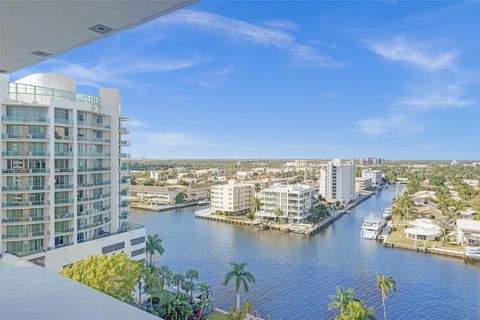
[
  {"x": 152, "y": 282},
  {"x": 178, "y": 279},
  {"x": 242, "y": 278},
  {"x": 355, "y": 310},
  {"x": 386, "y": 284},
  {"x": 278, "y": 213},
  {"x": 258, "y": 187},
  {"x": 257, "y": 203},
  {"x": 153, "y": 245},
  {"x": 166, "y": 276},
  {"x": 176, "y": 307},
  {"x": 205, "y": 290},
  {"x": 341, "y": 300},
  {"x": 188, "y": 286}
]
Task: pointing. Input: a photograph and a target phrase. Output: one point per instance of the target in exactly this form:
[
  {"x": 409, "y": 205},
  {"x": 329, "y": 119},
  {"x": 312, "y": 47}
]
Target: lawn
[
  {"x": 398, "y": 236},
  {"x": 217, "y": 316}
]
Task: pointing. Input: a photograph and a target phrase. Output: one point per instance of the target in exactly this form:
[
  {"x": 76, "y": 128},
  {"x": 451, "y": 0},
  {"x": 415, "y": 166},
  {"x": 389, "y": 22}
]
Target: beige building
[
  {"x": 337, "y": 181},
  {"x": 235, "y": 198},
  {"x": 362, "y": 184}
]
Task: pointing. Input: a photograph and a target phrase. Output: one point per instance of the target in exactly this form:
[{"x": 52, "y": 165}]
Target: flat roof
[
  {"x": 28, "y": 291},
  {"x": 473, "y": 225},
  {"x": 33, "y": 31}
]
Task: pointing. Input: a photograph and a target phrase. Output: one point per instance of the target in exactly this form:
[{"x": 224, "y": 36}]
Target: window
[
  {"x": 113, "y": 247},
  {"x": 137, "y": 241},
  {"x": 138, "y": 252}
]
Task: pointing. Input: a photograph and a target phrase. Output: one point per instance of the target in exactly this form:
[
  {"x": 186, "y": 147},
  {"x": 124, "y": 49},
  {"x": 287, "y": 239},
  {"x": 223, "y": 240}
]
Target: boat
[
  {"x": 387, "y": 213},
  {"x": 472, "y": 252},
  {"x": 372, "y": 227}
]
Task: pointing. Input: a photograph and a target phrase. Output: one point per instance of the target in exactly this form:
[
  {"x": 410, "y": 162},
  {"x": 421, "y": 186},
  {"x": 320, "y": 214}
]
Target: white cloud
[
  {"x": 281, "y": 24},
  {"x": 397, "y": 124},
  {"x": 210, "y": 80},
  {"x": 252, "y": 33},
  {"x": 399, "y": 49},
  {"x": 438, "y": 101},
  {"x": 117, "y": 71}
]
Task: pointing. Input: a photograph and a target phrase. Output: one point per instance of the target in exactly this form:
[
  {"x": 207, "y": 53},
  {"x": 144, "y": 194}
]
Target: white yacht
[
  {"x": 387, "y": 213},
  {"x": 371, "y": 228},
  {"x": 472, "y": 252}
]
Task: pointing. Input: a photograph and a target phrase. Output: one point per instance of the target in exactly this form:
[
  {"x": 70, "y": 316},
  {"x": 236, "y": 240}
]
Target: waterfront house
[
  {"x": 422, "y": 229},
  {"x": 468, "y": 232},
  {"x": 234, "y": 198}
]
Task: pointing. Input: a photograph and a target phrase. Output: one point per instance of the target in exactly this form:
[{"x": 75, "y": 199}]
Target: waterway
[{"x": 296, "y": 275}]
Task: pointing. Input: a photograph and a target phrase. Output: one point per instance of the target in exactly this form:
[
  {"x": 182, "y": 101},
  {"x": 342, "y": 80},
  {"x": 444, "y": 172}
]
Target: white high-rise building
[
  {"x": 290, "y": 203},
  {"x": 62, "y": 177},
  {"x": 234, "y": 198},
  {"x": 374, "y": 175},
  {"x": 337, "y": 181}
]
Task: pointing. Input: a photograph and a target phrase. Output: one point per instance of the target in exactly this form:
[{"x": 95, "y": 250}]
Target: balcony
[
  {"x": 92, "y": 198},
  {"x": 63, "y": 138},
  {"x": 23, "y": 188},
  {"x": 59, "y": 216},
  {"x": 123, "y": 130},
  {"x": 61, "y": 245},
  {"x": 124, "y": 180},
  {"x": 36, "y": 94},
  {"x": 123, "y": 192},
  {"x": 63, "y": 201},
  {"x": 82, "y": 139},
  {"x": 94, "y": 124},
  {"x": 124, "y": 155},
  {"x": 124, "y": 143},
  {"x": 62, "y": 231},
  {"x": 64, "y": 122},
  {"x": 25, "y": 153},
  {"x": 63, "y": 186},
  {"x": 27, "y": 171},
  {"x": 94, "y": 211},
  {"x": 95, "y": 154},
  {"x": 124, "y": 204},
  {"x": 40, "y": 120},
  {"x": 35, "y": 219},
  {"x": 66, "y": 154},
  {"x": 24, "y": 235},
  {"x": 93, "y": 184},
  {"x": 93, "y": 225},
  {"x": 63, "y": 170},
  {"x": 124, "y": 215},
  {"x": 94, "y": 169},
  {"x": 16, "y": 204},
  {"x": 10, "y": 136}
]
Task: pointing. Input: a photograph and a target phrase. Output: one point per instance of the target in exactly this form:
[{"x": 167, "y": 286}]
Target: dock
[{"x": 165, "y": 208}]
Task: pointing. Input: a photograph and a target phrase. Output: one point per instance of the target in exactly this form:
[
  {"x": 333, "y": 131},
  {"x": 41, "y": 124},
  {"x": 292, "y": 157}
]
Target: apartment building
[
  {"x": 374, "y": 175},
  {"x": 362, "y": 184},
  {"x": 63, "y": 182},
  {"x": 288, "y": 203},
  {"x": 337, "y": 181},
  {"x": 235, "y": 198}
]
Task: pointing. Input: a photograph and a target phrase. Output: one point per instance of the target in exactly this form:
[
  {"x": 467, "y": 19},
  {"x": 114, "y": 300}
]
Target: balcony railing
[
  {"x": 94, "y": 154},
  {"x": 92, "y": 225},
  {"x": 86, "y": 123},
  {"x": 93, "y": 139},
  {"x": 64, "y": 121},
  {"x": 26, "y": 153},
  {"x": 63, "y": 170},
  {"x": 124, "y": 215},
  {"x": 63, "y": 215},
  {"x": 25, "y": 171},
  {"x": 25, "y": 219},
  {"x": 93, "y": 184},
  {"x": 124, "y": 155},
  {"x": 8, "y": 204},
  {"x": 63, "y": 154},
  {"x": 63, "y": 138},
  {"x": 27, "y": 136},
  {"x": 93, "y": 169},
  {"x": 63, "y": 186},
  {"x": 93, "y": 211},
  {"x": 65, "y": 230},
  {"x": 63, "y": 201},
  {"x": 19, "y": 235},
  {"x": 36, "y": 94},
  {"x": 26, "y": 188},
  {"x": 124, "y": 204},
  {"x": 24, "y": 119}
]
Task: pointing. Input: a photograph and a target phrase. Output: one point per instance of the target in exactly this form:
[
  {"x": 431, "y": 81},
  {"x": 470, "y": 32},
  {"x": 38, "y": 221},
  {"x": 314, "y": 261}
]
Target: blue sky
[{"x": 320, "y": 79}]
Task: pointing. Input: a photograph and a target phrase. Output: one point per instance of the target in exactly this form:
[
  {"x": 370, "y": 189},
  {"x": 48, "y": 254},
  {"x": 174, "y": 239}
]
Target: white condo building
[
  {"x": 294, "y": 201},
  {"x": 337, "y": 181},
  {"x": 235, "y": 198},
  {"x": 62, "y": 177},
  {"x": 374, "y": 175}
]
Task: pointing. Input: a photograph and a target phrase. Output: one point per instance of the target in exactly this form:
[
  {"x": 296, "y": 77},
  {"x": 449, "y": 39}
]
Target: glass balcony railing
[
  {"x": 93, "y": 139},
  {"x": 29, "y": 93},
  {"x": 93, "y": 184},
  {"x": 64, "y": 230},
  {"x": 26, "y": 188},
  {"x": 124, "y": 204},
  {"x": 25, "y": 171},
  {"x": 63, "y": 138},
  {"x": 87, "y": 123},
  {"x": 96, "y": 197},
  {"x": 63, "y": 170},
  {"x": 26, "y": 153},
  {"x": 94, "y": 154},
  {"x": 63, "y": 201},
  {"x": 94, "y": 224},
  {"x": 63, "y": 215},
  {"x": 93, "y": 169},
  {"x": 94, "y": 211},
  {"x": 18, "y": 118},
  {"x": 63, "y": 186},
  {"x": 123, "y": 192},
  {"x": 25, "y": 219},
  {"x": 61, "y": 245},
  {"x": 63, "y": 154},
  {"x": 124, "y": 155},
  {"x": 26, "y": 136},
  {"x": 64, "y": 121},
  {"x": 124, "y": 215},
  {"x": 124, "y": 180},
  {"x": 19, "y": 235},
  {"x": 8, "y": 204}
]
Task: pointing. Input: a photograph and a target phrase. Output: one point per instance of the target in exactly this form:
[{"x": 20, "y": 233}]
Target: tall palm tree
[
  {"x": 386, "y": 284},
  {"x": 153, "y": 245},
  {"x": 341, "y": 299},
  {"x": 152, "y": 282},
  {"x": 242, "y": 279},
  {"x": 205, "y": 290},
  {"x": 257, "y": 204},
  {"x": 165, "y": 278},
  {"x": 178, "y": 279},
  {"x": 258, "y": 187}
]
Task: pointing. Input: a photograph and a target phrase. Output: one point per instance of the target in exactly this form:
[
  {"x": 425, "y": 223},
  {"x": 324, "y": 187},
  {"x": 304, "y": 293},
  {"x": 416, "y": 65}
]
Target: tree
[
  {"x": 180, "y": 198},
  {"x": 176, "y": 307},
  {"x": 241, "y": 277},
  {"x": 385, "y": 284},
  {"x": 166, "y": 278},
  {"x": 257, "y": 204},
  {"x": 446, "y": 222},
  {"x": 153, "y": 282},
  {"x": 114, "y": 275},
  {"x": 250, "y": 215},
  {"x": 205, "y": 292},
  {"x": 178, "y": 280},
  {"x": 153, "y": 245},
  {"x": 278, "y": 213},
  {"x": 341, "y": 299},
  {"x": 189, "y": 287},
  {"x": 240, "y": 314},
  {"x": 258, "y": 187}
]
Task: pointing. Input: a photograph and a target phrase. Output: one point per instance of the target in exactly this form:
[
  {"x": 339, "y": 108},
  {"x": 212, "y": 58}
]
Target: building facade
[
  {"x": 234, "y": 198},
  {"x": 362, "y": 184},
  {"x": 288, "y": 203},
  {"x": 63, "y": 181},
  {"x": 337, "y": 181},
  {"x": 374, "y": 175}
]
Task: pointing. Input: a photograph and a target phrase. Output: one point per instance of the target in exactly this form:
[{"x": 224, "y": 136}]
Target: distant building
[
  {"x": 371, "y": 161},
  {"x": 362, "y": 184},
  {"x": 155, "y": 175},
  {"x": 471, "y": 182},
  {"x": 374, "y": 175},
  {"x": 155, "y": 194},
  {"x": 337, "y": 181},
  {"x": 454, "y": 163},
  {"x": 294, "y": 201},
  {"x": 235, "y": 198},
  {"x": 207, "y": 173},
  {"x": 422, "y": 229},
  {"x": 297, "y": 164}
]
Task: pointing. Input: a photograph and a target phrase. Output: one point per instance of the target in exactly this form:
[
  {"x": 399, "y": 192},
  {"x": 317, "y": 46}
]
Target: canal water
[{"x": 296, "y": 275}]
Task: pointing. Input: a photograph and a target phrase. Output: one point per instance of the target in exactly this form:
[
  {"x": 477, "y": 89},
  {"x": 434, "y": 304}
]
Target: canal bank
[{"x": 296, "y": 275}]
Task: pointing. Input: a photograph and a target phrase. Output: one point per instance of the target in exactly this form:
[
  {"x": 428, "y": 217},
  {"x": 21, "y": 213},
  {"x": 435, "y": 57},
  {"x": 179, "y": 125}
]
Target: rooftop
[
  {"x": 50, "y": 296},
  {"x": 289, "y": 188}
]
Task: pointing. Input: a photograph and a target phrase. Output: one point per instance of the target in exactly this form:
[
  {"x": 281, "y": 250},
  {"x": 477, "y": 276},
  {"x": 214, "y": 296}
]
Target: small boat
[
  {"x": 472, "y": 252},
  {"x": 372, "y": 227},
  {"x": 387, "y": 213}
]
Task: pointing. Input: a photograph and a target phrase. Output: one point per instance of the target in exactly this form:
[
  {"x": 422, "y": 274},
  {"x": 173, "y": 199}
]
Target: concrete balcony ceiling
[{"x": 32, "y": 31}]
